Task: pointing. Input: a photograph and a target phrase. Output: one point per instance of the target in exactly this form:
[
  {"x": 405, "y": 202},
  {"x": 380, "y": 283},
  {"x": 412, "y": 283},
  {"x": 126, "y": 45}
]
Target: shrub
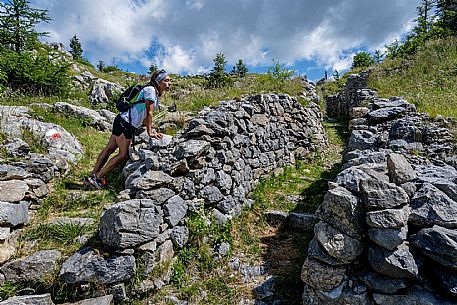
[
  {"x": 34, "y": 73},
  {"x": 362, "y": 60}
]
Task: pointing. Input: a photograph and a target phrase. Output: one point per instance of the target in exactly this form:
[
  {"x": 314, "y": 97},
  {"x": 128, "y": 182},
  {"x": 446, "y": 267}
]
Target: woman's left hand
[{"x": 156, "y": 135}]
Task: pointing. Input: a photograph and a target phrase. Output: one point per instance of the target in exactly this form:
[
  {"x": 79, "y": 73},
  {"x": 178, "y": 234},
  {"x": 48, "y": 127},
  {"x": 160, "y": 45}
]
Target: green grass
[{"x": 428, "y": 79}]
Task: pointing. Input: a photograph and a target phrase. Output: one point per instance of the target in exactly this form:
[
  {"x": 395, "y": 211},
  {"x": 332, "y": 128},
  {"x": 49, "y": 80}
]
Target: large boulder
[
  {"x": 102, "y": 120},
  {"x": 130, "y": 223}
]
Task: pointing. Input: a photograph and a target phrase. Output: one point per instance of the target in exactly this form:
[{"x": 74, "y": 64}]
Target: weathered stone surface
[
  {"x": 87, "y": 266},
  {"x": 362, "y": 139},
  {"x": 42, "y": 299},
  {"x": 179, "y": 236},
  {"x": 388, "y": 238},
  {"x": 397, "y": 264},
  {"x": 10, "y": 172},
  {"x": 302, "y": 222},
  {"x": 373, "y": 157},
  {"x": 130, "y": 223},
  {"x": 389, "y": 218},
  {"x": 400, "y": 171},
  {"x": 276, "y": 218},
  {"x": 104, "y": 300},
  {"x": 352, "y": 177},
  {"x": 381, "y": 284},
  {"x": 338, "y": 296},
  {"x": 317, "y": 252},
  {"x": 376, "y": 194},
  {"x": 341, "y": 208},
  {"x": 13, "y": 214},
  {"x": 33, "y": 268},
  {"x": 430, "y": 206},
  {"x": 151, "y": 180},
  {"x": 322, "y": 276},
  {"x": 102, "y": 121},
  {"x": 412, "y": 297},
  {"x": 336, "y": 243},
  {"x": 439, "y": 244},
  {"x": 17, "y": 148},
  {"x": 174, "y": 210},
  {"x": 13, "y": 190},
  {"x": 385, "y": 114}
]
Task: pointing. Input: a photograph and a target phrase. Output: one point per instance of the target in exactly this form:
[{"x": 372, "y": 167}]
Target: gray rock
[
  {"x": 17, "y": 148},
  {"x": 13, "y": 214},
  {"x": 376, "y": 194},
  {"x": 118, "y": 292},
  {"x": 337, "y": 244},
  {"x": 87, "y": 266},
  {"x": 338, "y": 296},
  {"x": 432, "y": 173},
  {"x": 317, "y": 252},
  {"x": 42, "y": 299},
  {"x": 388, "y": 238},
  {"x": 343, "y": 210},
  {"x": 101, "y": 121},
  {"x": 219, "y": 217},
  {"x": 276, "y": 218},
  {"x": 393, "y": 102},
  {"x": 211, "y": 194},
  {"x": 351, "y": 177},
  {"x": 385, "y": 114},
  {"x": 33, "y": 268},
  {"x": 412, "y": 297},
  {"x": 389, "y": 218},
  {"x": 104, "y": 300},
  {"x": 174, "y": 210},
  {"x": 362, "y": 139},
  {"x": 266, "y": 289},
  {"x": 322, "y": 276},
  {"x": 192, "y": 149},
  {"x": 72, "y": 221},
  {"x": 10, "y": 172},
  {"x": 372, "y": 157},
  {"x": 158, "y": 196},
  {"x": 400, "y": 171},
  {"x": 179, "y": 236},
  {"x": 130, "y": 223},
  {"x": 301, "y": 222},
  {"x": 397, "y": 264},
  {"x": 13, "y": 190},
  {"x": 151, "y": 180},
  {"x": 381, "y": 284},
  {"x": 430, "y": 206},
  {"x": 439, "y": 244}
]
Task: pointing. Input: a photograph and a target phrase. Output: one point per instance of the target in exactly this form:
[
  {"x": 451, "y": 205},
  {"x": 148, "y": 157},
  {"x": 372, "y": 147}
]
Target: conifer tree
[
  {"x": 240, "y": 68},
  {"x": 75, "y": 48},
  {"x": 447, "y": 13},
  {"x": 17, "y": 23}
]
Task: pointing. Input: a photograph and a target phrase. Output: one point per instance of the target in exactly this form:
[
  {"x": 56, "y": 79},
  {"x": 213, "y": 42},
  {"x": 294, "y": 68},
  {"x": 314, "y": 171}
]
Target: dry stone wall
[
  {"x": 388, "y": 223},
  {"x": 209, "y": 168}
]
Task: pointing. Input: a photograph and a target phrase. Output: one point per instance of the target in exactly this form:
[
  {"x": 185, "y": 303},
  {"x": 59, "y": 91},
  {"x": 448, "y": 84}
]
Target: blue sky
[{"x": 183, "y": 36}]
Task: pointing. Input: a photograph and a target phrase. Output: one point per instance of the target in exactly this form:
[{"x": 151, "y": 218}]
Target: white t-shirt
[{"x": 138, "y": 111}]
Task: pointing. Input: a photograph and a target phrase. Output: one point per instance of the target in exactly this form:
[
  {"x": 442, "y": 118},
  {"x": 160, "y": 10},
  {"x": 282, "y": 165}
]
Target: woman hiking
[{"x": 121, "y": 137}]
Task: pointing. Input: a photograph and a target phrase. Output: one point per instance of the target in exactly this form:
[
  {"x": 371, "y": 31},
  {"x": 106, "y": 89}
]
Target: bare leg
[
  {"x": 105, "y": 153},
  {"x": 123, "y": 155}
]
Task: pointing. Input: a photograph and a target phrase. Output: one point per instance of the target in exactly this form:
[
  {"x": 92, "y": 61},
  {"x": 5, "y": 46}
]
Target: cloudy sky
[{"x": 183, "y": 36}]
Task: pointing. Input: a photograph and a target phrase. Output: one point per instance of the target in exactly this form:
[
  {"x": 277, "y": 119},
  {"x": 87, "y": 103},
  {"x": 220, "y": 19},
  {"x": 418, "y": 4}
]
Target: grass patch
[{"x": 428, "y": 79}]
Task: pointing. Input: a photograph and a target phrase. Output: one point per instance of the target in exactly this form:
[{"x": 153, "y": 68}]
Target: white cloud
[{"x": 191, "y": 32}]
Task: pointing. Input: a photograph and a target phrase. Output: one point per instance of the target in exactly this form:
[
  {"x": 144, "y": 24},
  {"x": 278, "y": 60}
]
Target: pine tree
[
  {"x": 424, "y": 16},
  {"x": 336, "y": 75},
  {"x": 153, "y": 68},
  {"x": 17, "y": 23},
  {"x": 75, "y": 48},
  {"x": 447, "y": 12},
  {"x": 240, "y": 68},
  {"x": 101, "y": 65}
]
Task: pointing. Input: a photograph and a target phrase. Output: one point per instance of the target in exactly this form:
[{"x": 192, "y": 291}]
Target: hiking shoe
[{"x": 95, "y": 183}]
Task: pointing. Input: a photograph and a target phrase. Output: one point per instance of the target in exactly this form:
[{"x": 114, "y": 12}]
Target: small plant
[{"x": 35, "y": 143}]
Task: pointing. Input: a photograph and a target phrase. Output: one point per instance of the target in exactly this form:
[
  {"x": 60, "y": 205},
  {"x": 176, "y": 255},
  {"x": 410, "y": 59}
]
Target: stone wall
[
  {"x": 208, "y": 168},
  {"x": 388, "y": 226},
  {"x": 354, "y": 94}
]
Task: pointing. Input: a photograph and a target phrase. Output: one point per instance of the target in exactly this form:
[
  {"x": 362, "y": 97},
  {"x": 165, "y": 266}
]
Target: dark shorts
[{"x": 120, "y": 126}]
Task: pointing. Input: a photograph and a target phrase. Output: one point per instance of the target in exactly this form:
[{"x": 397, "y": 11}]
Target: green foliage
[
  {"x": 76, "y": 49},
  {"x": 9, "y": 289},
  {"x": 34, "y": 73},
  {"x": 36, "y": 145},
  {"x": 362, "y": 60},
  {"x": 218, "y": 78},
  {"x": 280, "y": 72},
  {"x": 17, "y": 23},
  {"x": 110, "y": 69},
  {"x": 84, "y": 61}
]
